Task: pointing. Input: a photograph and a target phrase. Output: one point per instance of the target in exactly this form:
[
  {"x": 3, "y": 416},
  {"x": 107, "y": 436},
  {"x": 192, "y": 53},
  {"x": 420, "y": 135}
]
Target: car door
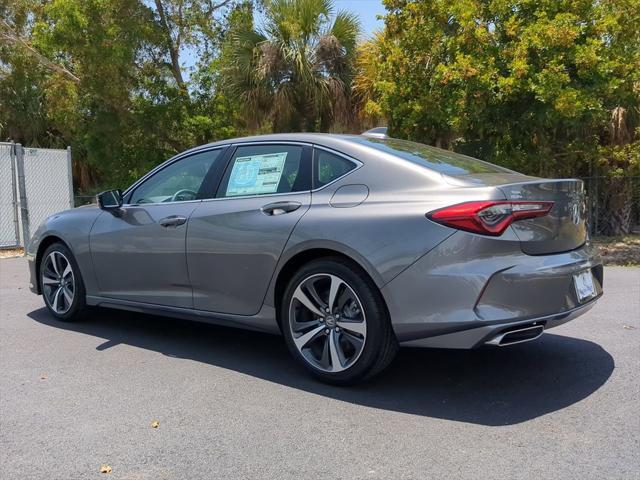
[
  {"x": 138, "y": 251},
  {"x": 235, "y": 240}
]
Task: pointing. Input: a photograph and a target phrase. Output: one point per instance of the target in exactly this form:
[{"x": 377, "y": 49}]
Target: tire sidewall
[
  {"x": 78, "y": 304},
  {"x": 374, "y": 309}
]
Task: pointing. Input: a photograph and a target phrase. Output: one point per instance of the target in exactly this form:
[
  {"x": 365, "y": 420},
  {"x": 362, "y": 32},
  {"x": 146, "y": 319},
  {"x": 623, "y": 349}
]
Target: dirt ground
[
  {"x": 11, "y": 252},
  {"x": 619, "y": 250}
]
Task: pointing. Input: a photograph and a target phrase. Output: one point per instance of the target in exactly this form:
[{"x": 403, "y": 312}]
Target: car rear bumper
[
  {"x": 485, "y": 335},
  {"x": 471, "y": 288}
]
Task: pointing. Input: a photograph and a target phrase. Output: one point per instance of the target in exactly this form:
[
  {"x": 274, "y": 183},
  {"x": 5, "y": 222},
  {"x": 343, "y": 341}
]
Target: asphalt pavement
[{"x": 232, "y": 404}]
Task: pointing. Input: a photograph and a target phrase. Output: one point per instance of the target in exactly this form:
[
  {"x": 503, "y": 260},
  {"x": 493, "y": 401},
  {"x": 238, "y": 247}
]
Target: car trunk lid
[{"x": 564, "y": 228}]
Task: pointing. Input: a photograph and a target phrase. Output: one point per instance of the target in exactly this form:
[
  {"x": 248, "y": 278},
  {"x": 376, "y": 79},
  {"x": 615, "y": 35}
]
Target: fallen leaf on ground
[
  {"x": 104, "y": 468},
  {"x": 155, "y": 424}
]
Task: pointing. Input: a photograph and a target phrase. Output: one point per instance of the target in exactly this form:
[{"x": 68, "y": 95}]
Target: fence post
[
  {"x": 14, "y": 193},
  {"x": 69, "y": 166},
  {"x": 22, "y": 195}
]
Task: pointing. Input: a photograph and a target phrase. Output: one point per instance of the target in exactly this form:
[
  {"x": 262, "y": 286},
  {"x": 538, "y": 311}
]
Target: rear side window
[
  {"x": 329, "y": 167},
  {"x": 442, "y": 161},
  {"x": 266, "y": 170}
]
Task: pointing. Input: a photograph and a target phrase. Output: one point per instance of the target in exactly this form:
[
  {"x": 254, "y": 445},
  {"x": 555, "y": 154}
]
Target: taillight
[{"x": 488, "y": 217}]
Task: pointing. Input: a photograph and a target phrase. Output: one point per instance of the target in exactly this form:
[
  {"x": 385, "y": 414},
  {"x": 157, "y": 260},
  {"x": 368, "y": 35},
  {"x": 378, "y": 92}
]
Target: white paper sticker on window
[{"x": 256, "y": 174}]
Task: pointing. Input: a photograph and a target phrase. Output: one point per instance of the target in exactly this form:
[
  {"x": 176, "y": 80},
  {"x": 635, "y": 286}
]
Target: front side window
[
  {"x": 330, "y": 167},
  {"x": 265, "y": 170},
  {"x": 179, "y": 182}
]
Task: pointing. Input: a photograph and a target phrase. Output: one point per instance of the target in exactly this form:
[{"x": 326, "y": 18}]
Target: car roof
[
  {"x": 361, "y": 147},
  {"x": 323, "y": 139},
  {"x": 297, "y": 136}
]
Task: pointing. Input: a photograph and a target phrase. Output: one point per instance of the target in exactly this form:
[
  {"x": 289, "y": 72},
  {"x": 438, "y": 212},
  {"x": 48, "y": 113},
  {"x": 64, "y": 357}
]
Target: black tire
[
  {"x": 77, "y": 309},
  {"x": 380, "y": 345}
]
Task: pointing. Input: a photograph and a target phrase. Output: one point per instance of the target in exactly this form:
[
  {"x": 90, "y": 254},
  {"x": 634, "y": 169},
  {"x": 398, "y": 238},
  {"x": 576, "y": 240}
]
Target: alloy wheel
[
  {"x": 58, "y": 282},
  {"x": 327, "y": 322}
]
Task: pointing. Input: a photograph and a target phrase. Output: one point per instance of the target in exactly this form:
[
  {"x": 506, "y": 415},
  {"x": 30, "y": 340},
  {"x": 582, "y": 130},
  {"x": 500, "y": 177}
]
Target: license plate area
[{"x": 584, "y": 285}]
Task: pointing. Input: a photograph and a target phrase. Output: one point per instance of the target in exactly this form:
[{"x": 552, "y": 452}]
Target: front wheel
[
  {"x": 335, "y": 322},
  {"x": 61, "y": 282}
]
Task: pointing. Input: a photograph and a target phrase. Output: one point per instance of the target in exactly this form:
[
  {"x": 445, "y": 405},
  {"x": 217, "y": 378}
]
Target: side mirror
[{"x": 110, "y": 200}]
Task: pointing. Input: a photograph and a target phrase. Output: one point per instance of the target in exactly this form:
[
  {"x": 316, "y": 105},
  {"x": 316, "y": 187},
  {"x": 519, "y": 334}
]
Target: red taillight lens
[{"x": 488, "y": 217}]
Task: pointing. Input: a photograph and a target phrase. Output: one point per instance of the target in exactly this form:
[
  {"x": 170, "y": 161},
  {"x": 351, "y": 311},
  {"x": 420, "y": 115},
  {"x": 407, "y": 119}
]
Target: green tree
[
  {"x": 366, "y": 84},
  {"x": 99, "y": 75},
  {"x": 294, "y": 72},
  {"x": 185, "y": 24},
  {"x": 530, "y": 84},
  {"x": 23, "y": 77}
]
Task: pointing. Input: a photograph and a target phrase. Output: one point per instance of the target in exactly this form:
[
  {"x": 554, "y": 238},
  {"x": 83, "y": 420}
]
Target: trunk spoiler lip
[
  {"x": 500, "y": 180},
  {"x": 543, "y": 180},
  {"x": 510, "y": 190}
]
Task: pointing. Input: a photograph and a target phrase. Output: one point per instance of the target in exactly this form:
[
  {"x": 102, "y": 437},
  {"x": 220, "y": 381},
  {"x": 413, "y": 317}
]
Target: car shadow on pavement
[{"x": 492, "y": 386}]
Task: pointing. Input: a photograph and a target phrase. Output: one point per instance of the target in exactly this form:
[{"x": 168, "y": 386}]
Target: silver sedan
[{"x": 347, "y": 245}]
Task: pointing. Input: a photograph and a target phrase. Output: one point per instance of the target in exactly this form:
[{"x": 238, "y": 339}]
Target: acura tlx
[{"x": 347, "y": 245}]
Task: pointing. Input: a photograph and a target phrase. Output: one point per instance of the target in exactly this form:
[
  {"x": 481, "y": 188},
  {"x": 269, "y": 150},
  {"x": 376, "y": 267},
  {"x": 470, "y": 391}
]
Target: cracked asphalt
[{"x": 232, "y": 404}]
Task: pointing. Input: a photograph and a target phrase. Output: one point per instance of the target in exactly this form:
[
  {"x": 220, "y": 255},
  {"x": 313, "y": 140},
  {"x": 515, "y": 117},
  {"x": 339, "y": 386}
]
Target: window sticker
[{"x": 256, "y": 174}]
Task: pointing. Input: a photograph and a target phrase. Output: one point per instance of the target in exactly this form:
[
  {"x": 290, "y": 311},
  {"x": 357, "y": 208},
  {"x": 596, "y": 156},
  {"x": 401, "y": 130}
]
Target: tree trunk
[
  {"x": 616, "y": 199},
  {"x": 617, "y": 193},
  {"x": 174, "y": 52},
  {"x": 84, "y": 176},
  {"x": 9, "y": 37}
]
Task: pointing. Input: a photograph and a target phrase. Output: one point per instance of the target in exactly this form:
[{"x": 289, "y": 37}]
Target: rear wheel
[
  {"x": 61, "y": 282},
  {"x": 335, "y": 322}
]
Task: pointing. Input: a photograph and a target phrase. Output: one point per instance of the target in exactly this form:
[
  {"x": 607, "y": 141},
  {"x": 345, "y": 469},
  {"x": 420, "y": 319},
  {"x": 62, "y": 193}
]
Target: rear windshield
[{"x": 443, "y": 161}]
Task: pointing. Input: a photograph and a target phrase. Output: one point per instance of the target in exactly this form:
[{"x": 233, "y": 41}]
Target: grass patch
[
  {"x": 619, "y": 250},
  {"x": 11, "y": 252}
]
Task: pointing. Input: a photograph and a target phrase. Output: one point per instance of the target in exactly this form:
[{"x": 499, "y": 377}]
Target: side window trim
[
  {"x": 358, "y": 164},
  {"x": 181, "y": 156},
  {"x": 226, "y": 164},
  {"x": 306, "y": 158},
  {"x": 214, "y": 176}
]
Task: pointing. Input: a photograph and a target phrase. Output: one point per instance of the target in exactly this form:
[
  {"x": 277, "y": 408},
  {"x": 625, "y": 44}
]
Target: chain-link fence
[
  {"x": 613, "y": 204},
  {"x": 48, "y": 183},
  {"x": 34, "y": 183}
]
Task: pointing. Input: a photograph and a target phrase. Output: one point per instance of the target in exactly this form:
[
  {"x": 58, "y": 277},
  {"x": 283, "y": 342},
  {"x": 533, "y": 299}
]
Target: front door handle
[
  {"x": 172, "y": 221},
  {"x": 279, "y": 208}
]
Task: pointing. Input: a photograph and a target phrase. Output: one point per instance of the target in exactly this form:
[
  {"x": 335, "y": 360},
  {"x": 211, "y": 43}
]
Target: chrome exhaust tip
[{"x": 520, "y": 335}]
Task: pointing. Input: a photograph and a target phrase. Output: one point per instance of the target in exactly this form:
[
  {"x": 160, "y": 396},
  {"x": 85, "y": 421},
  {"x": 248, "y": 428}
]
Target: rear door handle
[
  {"x": 172, "y": 221},
  {"x": 279, "y": 208}
]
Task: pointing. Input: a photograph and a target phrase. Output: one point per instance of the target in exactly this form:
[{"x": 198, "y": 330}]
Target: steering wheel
[{"x": 179, "y": 195}]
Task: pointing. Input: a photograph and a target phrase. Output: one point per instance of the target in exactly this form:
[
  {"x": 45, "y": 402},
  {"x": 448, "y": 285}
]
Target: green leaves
[
  {"x": 527, "y": 84},
  {"x": 547, "y": 87},
  {"x": 294, "y": 72},
  {"x": 99, "y": 75}
]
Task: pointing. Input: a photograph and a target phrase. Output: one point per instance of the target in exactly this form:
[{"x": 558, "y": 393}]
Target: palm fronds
[{"x": 295, "y": 70}]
